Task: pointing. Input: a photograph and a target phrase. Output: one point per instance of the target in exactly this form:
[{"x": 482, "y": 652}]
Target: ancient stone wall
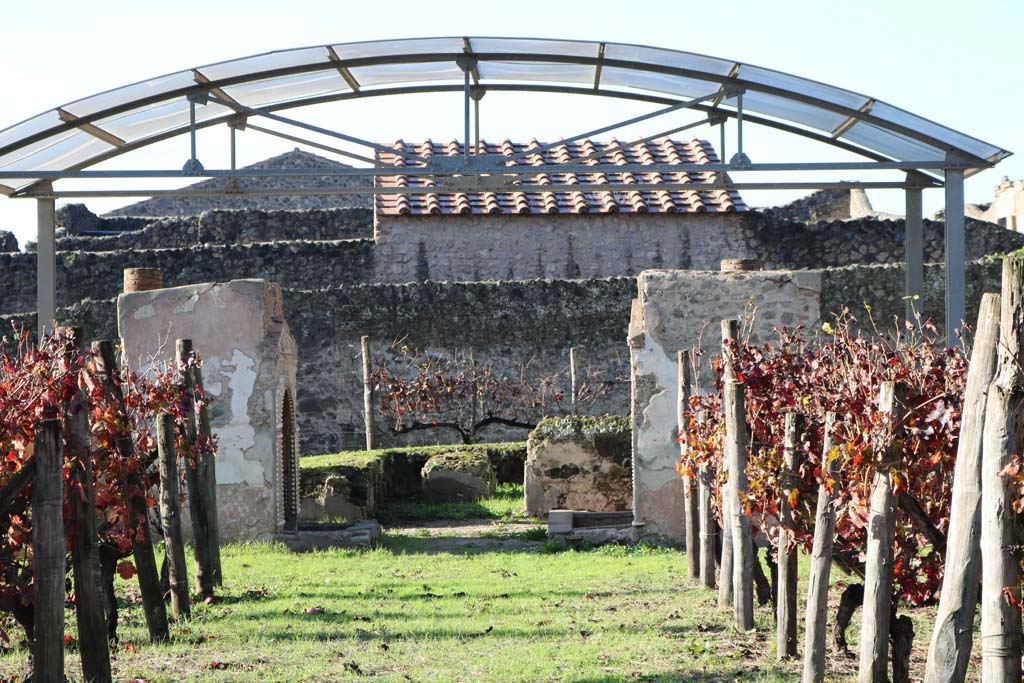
[
  {"x": 98, "y": 275},
  {"x": 512, "y": 247},
  {"x": 227, "y": 227},
  {"x": 670, "y": 314}
]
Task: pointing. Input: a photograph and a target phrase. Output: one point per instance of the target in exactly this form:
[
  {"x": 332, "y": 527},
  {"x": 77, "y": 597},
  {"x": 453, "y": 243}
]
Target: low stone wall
[
  {"x": 353, "y": 485},
  {"x": 579, "y": 463},
  {"x": 786, "y": 245},
  {"x": 98, "y": 275},
  {"x": 226, "y": 227}
]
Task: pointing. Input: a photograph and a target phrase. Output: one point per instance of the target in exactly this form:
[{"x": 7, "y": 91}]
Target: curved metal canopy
[{"x": 93, "y": 129}]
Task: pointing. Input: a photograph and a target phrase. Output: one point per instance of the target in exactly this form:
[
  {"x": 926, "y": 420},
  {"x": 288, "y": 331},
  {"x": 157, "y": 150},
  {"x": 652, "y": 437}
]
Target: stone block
[
  {"x": 452, "y": 477},
  {"x": 579, "y": 463},
  {"x": 358, "y": 535}
]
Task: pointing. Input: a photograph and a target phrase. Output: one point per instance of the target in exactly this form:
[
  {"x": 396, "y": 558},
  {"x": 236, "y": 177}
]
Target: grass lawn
[
  {"x": 506, "y": 504},
  {"x": 404, "y": 612}
]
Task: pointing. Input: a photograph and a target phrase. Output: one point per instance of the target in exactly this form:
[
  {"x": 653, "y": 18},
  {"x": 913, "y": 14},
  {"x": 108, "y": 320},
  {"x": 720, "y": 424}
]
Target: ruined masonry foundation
[
  {"x": 669, "y": 314},
  {"x": 249, "y": 367}
]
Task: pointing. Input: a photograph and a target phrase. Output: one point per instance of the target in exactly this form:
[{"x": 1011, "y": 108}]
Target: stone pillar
[{"x": 142, "y": 279}]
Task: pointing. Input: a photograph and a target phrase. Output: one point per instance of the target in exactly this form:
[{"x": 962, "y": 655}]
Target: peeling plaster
[
  {"x": 238, "y": 434},
  {"x": 143, "y": 312}
]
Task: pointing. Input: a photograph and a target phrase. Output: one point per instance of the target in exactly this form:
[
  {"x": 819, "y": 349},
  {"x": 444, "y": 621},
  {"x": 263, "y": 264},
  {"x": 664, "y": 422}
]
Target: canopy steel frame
[{"x": 476, "y": 170}]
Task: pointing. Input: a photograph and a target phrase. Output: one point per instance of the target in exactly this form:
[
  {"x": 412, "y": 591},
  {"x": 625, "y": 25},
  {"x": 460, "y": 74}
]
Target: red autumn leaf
[{"x": 125, "y": 569}]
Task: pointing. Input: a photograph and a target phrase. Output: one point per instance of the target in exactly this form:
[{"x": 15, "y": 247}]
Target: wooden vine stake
[
  {"x": 142, "y": 544},
  {"x": 364, "y": 344},
  {"x": 194, "y": 478},
  {"x": 821, "y": 563},
  {"x": 739, "y": 521},
  {"x": 950, "y": 650},
  {"x": 208, "y": 474},
  {"x": 48, "y": 554},
  {"x": 573, "y": 390},
  {"x": 170, "y": 516},
  {"x": 691, "y": 520},
  {"x": 1000, "y": 568},
  {"x": 730, "y": 333},
  {"x": 785, "y": 605},
  {"x": 85, "y": 550},
  {"x": 881, "y": 529},
  {"x": 708, "y": 523}
]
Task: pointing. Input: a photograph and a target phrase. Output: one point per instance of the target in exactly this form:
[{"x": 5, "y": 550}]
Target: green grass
[
  {"x": 505, "y": 504},
  {"x": 407, "y": 613}
]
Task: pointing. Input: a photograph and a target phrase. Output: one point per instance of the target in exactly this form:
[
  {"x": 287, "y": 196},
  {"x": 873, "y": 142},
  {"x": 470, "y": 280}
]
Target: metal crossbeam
[
  {"x": 304, "y": 141},
  {"x": 90, "y": 128},
  {"x": 497, "y": 169},
  {"x": 469, "y": 188}
]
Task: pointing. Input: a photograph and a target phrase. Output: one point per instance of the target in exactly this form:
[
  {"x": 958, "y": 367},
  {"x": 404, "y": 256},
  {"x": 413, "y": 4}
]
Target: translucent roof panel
[
  {"x": 288, "y": 88},
  {"x": 271, "y": 61},
  {"x": 386, "y": 48},
  {"x": 150, "y": 110},
  {"x": 386, "y": 74},
  {"x": 658, "y": 82},
  {"x": 528, "y": 71}
]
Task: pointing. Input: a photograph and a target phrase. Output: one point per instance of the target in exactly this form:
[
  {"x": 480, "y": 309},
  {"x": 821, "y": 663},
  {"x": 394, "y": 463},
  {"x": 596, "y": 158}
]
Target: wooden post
[
  {"x": 821, "y": 563},
  {"x": 691, "y": 520},
  {"x": 142, "y": 544},
  {"x": 877, "y": 610},
  {"x": 197, "y": 502},
  {"x": 950, "y": 649},
  {"x": 742, "y": 547},
  {"x": 170, "y": 516},
  {"x": 85, "y": 550},
  {"x": 708, "y": 525},
  {"x": 572, "y": 379},
  {"x": 371, "y": 442},
  {"x": 785, "y": 603},
  {"x": 48, "y": 554},
  {"x": 1000, "y": 568},
  {"x": 208, "y": 475},
  {"x": 730, "y": 331}
]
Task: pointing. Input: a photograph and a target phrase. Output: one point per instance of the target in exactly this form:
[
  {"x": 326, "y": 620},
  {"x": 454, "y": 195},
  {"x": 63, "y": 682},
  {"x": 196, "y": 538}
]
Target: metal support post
[
  {"x": 739, "y": 160},
  {"x": 46, "y": 265},
  {"x": 956, "y": 304},
  {"x": 477, "y": 93},
  {"x": 913, "y": 255},
  {"x": 234, "y": 165},
  {"x": 192, "y": 167}
]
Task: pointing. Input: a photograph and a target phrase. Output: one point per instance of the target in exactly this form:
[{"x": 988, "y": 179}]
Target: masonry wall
[
  {"x": 513, "y": 247},
  {"x": 670, "y": 314}
]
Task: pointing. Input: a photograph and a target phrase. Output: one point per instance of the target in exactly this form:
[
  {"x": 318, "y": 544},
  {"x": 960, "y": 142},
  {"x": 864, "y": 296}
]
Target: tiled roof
[{"x": 533, "y": 201}]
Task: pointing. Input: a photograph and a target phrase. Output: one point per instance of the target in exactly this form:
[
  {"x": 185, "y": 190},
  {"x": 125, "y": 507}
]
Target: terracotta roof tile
[{"x": 527, "y": 196}]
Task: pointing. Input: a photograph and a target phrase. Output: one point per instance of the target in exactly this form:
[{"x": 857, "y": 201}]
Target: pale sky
[{"x": 958, "y": 63}]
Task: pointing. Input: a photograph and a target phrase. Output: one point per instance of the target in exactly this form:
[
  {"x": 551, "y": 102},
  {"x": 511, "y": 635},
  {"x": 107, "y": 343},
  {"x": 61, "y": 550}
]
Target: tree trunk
[
  {"x": 874, "y": 638},
  {"x": 902, "y": 644},
  {"x": 135, "y": 494},
  {"x": 197, "y": 502},
  {"x": 736, "y": 452},
  {"x": 785, "y": 607},
  {"x": 691, "y": 503},
  {"x": 48, "y": 554},
  {"x": 950, "y": 650},
  {"x": 821, "y": 565},
  {"x": 85, "y": 551},
  {"x": 170, "y": 517},
  {"x": 849, "y": 601},
  {"x": 208, "y": 475}
]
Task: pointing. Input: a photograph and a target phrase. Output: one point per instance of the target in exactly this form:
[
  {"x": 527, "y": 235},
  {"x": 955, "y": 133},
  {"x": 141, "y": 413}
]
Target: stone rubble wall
[
  {"x": 226, "y": 227},
  {"x": 512, "y": 247},
  {"x": 99, "y": 275},
  {"x": 510, "y": 323}
]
